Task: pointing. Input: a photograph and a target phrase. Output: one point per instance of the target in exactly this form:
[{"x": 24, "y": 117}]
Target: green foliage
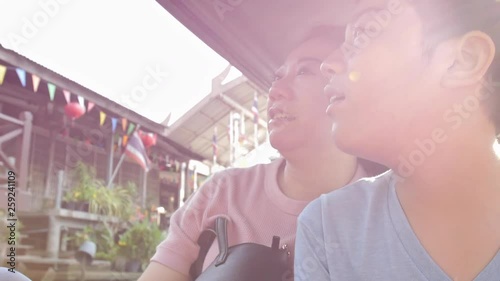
[
  {"x": 105, "y": 243},
  {"x": 79, "y": 237},
  {"x": 103, "y": 236},
  {"x": 85, "y": 184},
  {"x": 116, "y": 202},
  {"x": 140, "y": 241}
]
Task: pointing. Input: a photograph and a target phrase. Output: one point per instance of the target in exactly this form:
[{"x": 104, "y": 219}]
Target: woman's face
[{"x": 296, "y": 104}]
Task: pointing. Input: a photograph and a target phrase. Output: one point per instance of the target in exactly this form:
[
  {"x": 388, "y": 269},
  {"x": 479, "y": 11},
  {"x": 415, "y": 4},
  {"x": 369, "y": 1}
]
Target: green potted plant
[
  {"x": 139, "y": 243},
  {"x": 69, "y": 200},
  {"x": 77, "y": 238},
  {"x": 102, "y": 235},
  {"x": 84, "y": 187},
  {"x": 115, "y": 202},
  {"x": 106, "y": 246}
]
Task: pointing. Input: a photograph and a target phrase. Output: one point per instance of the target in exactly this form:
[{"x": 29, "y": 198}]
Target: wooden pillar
[
  {"x": 110, "y": 158},
  {"x": 53, "y": 237},
  {"x": 59, "y": 192},
  {"x": 50, "y": 168},
  {"x": 24, "y": 152}
]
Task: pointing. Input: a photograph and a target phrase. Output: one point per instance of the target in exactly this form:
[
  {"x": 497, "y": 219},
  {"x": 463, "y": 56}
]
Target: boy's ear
[{"x": 475, "y": 52}]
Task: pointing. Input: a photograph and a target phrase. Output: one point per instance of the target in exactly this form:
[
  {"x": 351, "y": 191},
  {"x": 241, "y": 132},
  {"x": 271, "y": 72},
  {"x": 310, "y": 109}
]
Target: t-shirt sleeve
[
  {"x": 180, "y": 249},
  {"x": 310, "y": 250}
]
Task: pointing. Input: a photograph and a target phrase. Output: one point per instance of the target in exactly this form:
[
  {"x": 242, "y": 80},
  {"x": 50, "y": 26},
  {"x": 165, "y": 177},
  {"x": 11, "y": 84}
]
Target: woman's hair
[{"x": 444, "y": 19}]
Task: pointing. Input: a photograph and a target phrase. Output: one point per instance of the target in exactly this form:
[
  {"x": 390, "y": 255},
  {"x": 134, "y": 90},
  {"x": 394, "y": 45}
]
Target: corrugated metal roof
[{"x": 195, "y": 129}]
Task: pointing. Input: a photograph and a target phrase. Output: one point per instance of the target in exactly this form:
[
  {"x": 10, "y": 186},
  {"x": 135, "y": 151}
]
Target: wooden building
[{"x": 41, "y": 143}]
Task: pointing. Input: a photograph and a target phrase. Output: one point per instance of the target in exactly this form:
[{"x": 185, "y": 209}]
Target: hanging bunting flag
[
  {"x": 124, "y": 140},
  {"x": 81, "y": 100},
  {"x": 22, "y": 76},
  {"x": 3, "y": 70},
  {"x": 36, "y": 82},
  {"x": 52, "y": 90},
  {"x": 67, "y": 95},
  {"x": 102, "y": 118},
  {"x": 124, "y": 124},
  {"x": 131, "y": 127},
  {"x": 90, "y": 105},
  {"x": 114, "y": 121}
]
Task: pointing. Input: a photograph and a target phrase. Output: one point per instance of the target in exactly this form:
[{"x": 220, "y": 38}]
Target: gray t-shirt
[{"x": 360, "y": 232}]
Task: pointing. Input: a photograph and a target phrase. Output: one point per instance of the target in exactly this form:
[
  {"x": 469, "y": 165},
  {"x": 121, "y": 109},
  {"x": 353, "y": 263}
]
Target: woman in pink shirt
[{"x": 264, "y": 201}]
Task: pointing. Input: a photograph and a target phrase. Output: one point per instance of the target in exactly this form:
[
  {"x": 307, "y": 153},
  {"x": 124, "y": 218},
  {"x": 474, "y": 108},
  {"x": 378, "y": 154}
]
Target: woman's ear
[{"x": 475, "y": 52}]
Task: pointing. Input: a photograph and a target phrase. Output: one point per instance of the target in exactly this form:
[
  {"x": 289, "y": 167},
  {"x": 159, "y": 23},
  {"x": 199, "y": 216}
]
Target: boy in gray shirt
[{"x": 414, "y": 87}]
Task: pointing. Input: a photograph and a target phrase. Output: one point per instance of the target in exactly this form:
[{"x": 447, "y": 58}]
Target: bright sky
[{"x": 133, "y": 52}]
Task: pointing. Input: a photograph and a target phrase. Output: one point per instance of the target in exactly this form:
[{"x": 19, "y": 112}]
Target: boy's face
[{"x": 381, "y": 87}]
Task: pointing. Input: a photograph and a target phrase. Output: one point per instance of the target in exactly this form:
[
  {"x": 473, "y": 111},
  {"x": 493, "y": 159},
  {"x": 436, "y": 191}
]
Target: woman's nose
[
  {"x": 280, "y": 89},
  {"x": 277, "y": 92},
  {"x": 333, "y": 64}
]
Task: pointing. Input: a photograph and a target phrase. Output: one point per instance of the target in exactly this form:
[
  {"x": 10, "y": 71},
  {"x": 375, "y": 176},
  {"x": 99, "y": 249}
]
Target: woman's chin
[{"x": 282, "y": 142}]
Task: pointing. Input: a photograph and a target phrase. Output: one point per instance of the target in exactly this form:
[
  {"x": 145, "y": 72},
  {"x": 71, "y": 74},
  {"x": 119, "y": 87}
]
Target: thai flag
[
  {"x": 135, "y": 149},
  {"x": 255, "y": 109}
]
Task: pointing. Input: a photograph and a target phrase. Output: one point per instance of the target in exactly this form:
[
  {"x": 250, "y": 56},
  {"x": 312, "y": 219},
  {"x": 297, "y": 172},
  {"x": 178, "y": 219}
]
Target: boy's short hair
[
  {"x": 444, "y": 19},
  {"x": 454, "y": 17}
]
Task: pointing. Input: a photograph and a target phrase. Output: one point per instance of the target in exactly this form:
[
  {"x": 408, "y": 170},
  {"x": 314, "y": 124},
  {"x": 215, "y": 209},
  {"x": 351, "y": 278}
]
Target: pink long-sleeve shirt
[{"x": 252, "y": 201}]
